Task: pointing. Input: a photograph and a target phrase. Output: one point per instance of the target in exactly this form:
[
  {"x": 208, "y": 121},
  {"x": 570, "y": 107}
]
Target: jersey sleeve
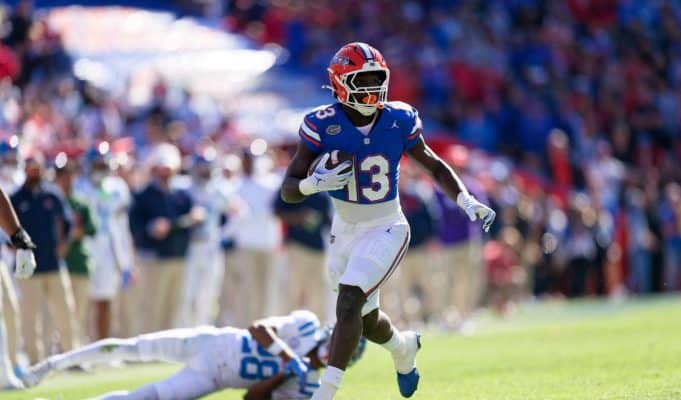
[
  {"x": 309, "y": 134},
  {"x": 414, "y": 133}
]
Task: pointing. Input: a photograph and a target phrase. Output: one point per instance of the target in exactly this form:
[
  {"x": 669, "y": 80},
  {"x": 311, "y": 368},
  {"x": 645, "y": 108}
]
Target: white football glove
[
  {"x": 323, "y": 179},
  {"x": 475, "y": 209},
  {"x": 25, "y": 264}
]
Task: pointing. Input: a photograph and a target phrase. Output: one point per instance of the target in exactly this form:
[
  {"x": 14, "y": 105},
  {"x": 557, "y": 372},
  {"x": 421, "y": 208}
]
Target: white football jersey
[{"x": 240, "y": 362}]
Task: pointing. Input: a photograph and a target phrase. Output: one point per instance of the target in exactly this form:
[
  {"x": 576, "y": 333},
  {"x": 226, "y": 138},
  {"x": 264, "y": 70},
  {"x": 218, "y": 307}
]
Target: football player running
[
  {"x": 369, "y": 234},
  {"x": 276, "y": 357}
]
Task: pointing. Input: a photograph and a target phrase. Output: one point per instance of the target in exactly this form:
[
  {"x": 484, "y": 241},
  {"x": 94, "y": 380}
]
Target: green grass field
[{"x": 580, "y": 350}]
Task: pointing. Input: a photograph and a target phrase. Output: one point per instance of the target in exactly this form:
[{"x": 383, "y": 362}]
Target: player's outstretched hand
[
  {"x": 25, "y": 260},
  {"x": 323, "y": 179},
  {"x": 475, "y": 209},
  {"x": 297, "y": 367}
]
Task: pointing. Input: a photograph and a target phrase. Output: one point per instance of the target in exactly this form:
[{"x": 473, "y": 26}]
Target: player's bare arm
[
  {"x": 263, "y": 390},
  {"x": 266, "y": 336},
  {"x": 442, "y": 173},
  {"x": 8, "y": 218},
  {"x": 296, "y": 172},
  {"x": 450, "y": 183}
]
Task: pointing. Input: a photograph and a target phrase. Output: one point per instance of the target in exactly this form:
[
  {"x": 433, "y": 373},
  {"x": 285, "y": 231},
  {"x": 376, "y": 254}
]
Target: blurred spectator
[
  {"x": 257, "y": 237},
  {"x": 203, "y": 274},
  {"x": 46, "y": 217},
  {"x": 410, "y": 291},
  {"x": 581, "y": 248},
  {"x": 670, "y": 214},
  {"x": 641, "y": 243},
  {"x": 78, "y": 259},
  {"x": 461, "y": 286},
  {"x": 111, "y": 247},
  {"x": 503, "y": 270},
  {"x": 308, "y": 224},
  {"x": 160, "y": 219}
]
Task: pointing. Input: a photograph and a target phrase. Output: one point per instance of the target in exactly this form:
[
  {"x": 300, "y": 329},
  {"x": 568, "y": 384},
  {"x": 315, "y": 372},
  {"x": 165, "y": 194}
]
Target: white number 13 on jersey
[{"x": 379, "y": 168}]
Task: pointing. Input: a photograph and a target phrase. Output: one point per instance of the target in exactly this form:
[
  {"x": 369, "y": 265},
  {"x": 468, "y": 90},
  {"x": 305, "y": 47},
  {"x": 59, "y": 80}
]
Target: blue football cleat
[{"x": 409, "y": 382}]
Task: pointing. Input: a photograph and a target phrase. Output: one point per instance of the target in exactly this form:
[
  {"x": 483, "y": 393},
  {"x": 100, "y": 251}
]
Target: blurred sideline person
[
  {"x": 160, "y": 219},
  {"x": 203, "y": 275},
  {"x": 25, "y": 265},
  {"x": 275, "y": 358},
  {"x": 409, "y": 296},
  {"x": 462, "y": 280},
  {"x": 230, "y": 166},
  {"x": 111, "y": 247},
  {"x": 307, "y": 226},
  {"x": 257, "y": 236},
  {"x": 369, "y": 233},
  {"x": 78, "y": 259},
  {"x": 670, "y": 214},
  {"x": 46, "y": 217}
]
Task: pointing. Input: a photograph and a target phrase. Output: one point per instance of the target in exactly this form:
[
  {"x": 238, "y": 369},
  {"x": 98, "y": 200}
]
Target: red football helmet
[{"x": 350, "y": 61}]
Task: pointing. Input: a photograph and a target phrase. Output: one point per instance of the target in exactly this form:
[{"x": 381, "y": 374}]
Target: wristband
[
  {"x": 21, "y": 240},
  {"x": 306, "y": 186},
  {"x": 276, "y": 347}
]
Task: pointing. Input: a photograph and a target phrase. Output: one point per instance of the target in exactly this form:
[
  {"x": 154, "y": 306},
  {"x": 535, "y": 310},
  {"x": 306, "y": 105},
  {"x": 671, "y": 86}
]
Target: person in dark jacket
[
  {"x": 47, "y": 219},
  {"x": 160, "y": 220}
]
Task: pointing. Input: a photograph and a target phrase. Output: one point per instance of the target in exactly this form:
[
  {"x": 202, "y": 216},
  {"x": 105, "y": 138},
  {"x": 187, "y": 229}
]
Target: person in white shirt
[
  {"x": 257, "y": 234},
  {"x": 203, "y": 275}
]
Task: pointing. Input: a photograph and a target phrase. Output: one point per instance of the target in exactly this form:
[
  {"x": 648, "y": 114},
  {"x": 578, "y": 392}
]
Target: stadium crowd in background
[{"x": 564, "y": 114}]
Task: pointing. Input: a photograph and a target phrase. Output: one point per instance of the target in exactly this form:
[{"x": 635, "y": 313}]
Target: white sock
[
  {"x": 331, "y": 381},
  {"x": 102, "y": 351},
  {"x": 397, "y": 346}
]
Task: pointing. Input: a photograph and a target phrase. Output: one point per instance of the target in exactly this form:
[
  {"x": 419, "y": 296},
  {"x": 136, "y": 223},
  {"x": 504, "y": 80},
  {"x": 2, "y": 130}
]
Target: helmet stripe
[{"x": 366, "y": 50}]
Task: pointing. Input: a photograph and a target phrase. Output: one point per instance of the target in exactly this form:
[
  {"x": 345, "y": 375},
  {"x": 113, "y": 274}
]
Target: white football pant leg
[
  {"x": 176, "y": 345},
  {"x": 102, "y": 351},
  {"x": 186, "y": 384}
]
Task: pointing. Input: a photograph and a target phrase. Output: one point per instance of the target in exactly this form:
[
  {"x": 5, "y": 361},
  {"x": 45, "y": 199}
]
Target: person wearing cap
[
  {"x": 78, "y": 258},
  {"x": 161, "y": 218},
  {"x": 47, "y": 219}
]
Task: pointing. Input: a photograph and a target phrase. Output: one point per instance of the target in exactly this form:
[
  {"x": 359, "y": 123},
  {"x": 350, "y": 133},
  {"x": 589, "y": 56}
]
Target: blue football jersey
[{"x": 376, "y": 155}]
